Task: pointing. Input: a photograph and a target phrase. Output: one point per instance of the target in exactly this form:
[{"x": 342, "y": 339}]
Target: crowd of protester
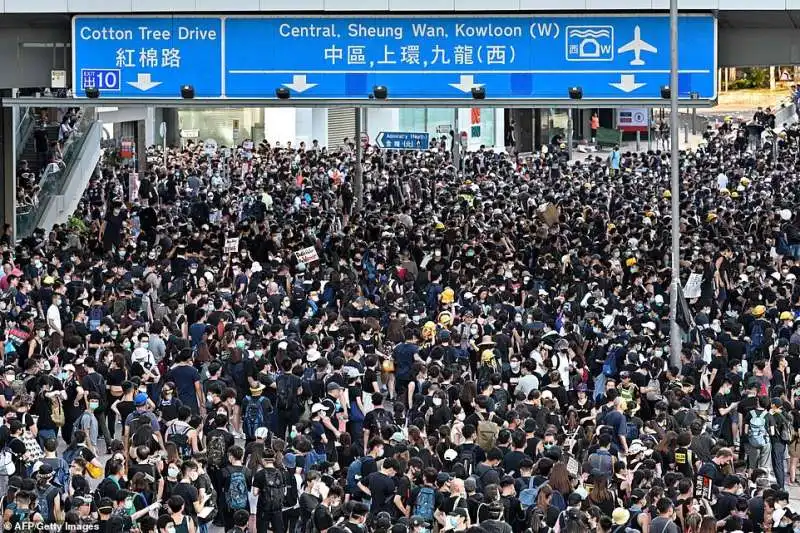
[{"x": 232, "y": 341}]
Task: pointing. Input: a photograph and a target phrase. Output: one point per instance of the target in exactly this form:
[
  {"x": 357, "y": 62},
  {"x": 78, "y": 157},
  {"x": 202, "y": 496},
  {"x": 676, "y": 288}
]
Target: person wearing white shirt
[
  {"x": 722, "y": 181},
  {"x": 54, "y": 315},
  {"x": 528, "y": 381}
]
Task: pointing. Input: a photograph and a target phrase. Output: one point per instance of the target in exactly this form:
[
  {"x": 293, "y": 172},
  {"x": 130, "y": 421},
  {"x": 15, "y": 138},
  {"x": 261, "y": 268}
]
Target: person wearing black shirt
[{"x": 380, "y": 487}]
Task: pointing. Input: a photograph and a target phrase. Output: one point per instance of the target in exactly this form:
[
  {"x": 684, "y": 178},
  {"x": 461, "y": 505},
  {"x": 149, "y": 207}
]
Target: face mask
[
  {"x": 126, "y": 345},
  {"x": 452, "y": 522},
  {"x": 437, "y": 401},
  {"x": 293, "y": 434},
  {"x": 259, "y": 353},
  {"x": 10, "y": 377},
  {"x": 514, "y": 366},
  {"x": 37, "y": 264},
  {"x": 41, "y": 334},
  {"x": 173, "y": 472},
  {"x": 461, "y": 416},
  {"x": 241, "y": 344},
  {"x": 93, "y": 405},
  {"x": 145, "y": 345}
]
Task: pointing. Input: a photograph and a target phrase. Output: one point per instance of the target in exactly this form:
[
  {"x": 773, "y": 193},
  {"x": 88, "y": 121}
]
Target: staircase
[{"x": 29, "y": 153}]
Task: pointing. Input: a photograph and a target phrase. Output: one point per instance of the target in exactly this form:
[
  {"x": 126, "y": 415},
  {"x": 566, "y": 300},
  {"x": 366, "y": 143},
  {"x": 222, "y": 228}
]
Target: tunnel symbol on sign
[{"x": 590, "y": 43}]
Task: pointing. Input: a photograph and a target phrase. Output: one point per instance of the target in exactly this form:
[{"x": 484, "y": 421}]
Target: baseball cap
[
  {"x": 140, "y": 399},
  {"x": 261, "y": 433},
  {"x": 332, "y": 386},
  {"x": 317, "y": 407},
  {"x": 417, "y": 521}
]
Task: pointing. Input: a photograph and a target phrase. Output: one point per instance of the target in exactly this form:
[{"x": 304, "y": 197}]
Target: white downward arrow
[
  {"x": 466, "y": 84},
  {"x": 627, "y": 83},
  {"x": 143, "y": 82},
  {"x": 299, "y": 84}
]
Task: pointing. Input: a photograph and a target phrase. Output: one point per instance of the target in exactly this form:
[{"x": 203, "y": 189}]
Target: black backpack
[
  {"x": 141, "y": 432},
  {"x": 286, "y": 394},
  {"x": 274, "y": 490},
  {"x": 181, "y": 441}
]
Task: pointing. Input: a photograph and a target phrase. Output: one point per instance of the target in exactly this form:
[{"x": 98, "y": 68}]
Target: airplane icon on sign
[{"x": 636, "y": 46}]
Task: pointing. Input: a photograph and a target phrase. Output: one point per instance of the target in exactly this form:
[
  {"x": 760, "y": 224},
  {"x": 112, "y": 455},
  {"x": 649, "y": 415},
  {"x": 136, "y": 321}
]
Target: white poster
[
  {"x": 307, "y": 255},
  {"x": 231, "y": 245},
  {"x": 692, "y": 287}
]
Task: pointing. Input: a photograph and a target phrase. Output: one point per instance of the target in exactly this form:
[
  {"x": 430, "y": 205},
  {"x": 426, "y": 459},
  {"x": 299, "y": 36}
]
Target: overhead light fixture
[
  {"x": 666, "y": 94},
  {"x": 575, "y": 93},
  {"x": 92, "y": 92},
  {"x": 187, "y": 92},
  {"x": 282, "y": 93},
  {"x": 478, "y": 93},
  {"x": 380, "y": 92}
]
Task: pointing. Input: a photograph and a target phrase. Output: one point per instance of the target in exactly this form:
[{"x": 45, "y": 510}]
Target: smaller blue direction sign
[{"x": 403, "y": 140}]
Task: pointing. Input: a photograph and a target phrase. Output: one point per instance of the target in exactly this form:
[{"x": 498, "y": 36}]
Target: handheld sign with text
[
  {"x": 307, "y": 255},
  {"x": 231, "y": 245}
]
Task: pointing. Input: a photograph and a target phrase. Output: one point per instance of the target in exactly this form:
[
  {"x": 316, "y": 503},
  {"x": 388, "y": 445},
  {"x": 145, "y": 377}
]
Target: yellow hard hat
[
  {"x": 711, "y": 216},
  {"x": 447, "y": 296},
  {"x": 428, "y": 331},
  {"x": 734, "y": 194},
  {"x": 724, "y": 190},
  {"x": 667, "y": 194},
  {"x": 630, "y": 261},
  {"x": 445, "y": 318},
  {"x": 787, "y": 315},
  {"x": 487, "y": 355},
  {"x": 759, "y": 310},
  {"x": 439, "y": 226},
  {"x": 745, "y": 181}
]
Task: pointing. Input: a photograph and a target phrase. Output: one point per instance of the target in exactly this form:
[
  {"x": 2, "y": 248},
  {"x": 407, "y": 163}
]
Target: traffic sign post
[
  {"x": 615, "y": 57},
  {"x": 403, "y": 140}
]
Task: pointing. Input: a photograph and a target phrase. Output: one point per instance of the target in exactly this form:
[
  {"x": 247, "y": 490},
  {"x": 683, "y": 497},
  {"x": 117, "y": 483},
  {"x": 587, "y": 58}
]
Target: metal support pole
[
  {"x": 456, "y": 141},
  {"x": 358, "y": 181},
  {"x": 638, "y": 140},
  {"x": 649, "y": 129},
  {"x": 569, "y": 133},
  {"x": 694, "y": 121},
  {"x": 674, "y": 329},
  {"x": 686, "y": 134}
]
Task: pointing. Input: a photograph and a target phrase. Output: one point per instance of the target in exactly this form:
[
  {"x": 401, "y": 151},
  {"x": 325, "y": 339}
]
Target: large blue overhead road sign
[
  {"x": 147, "y": 57},
  {"x": 511, "y": 57},
  {"x": 520, "y": 58}
]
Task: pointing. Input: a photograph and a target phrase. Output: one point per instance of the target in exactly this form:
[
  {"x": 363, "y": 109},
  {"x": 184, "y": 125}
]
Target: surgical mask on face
[
  {"x": 37, "y": 264},
  {"x": 145, "y": 345},
  {"x": 126, "y": 345},
  {"x": 452, "y": 522},
  {"x": 173, "y": 471},
  {"x": 93, "y": 405},
  {"x": 241, "y": 344},
  {"x": 40, "y": 334},
  {"x": 437, "y": 401},
  {"x": 514, "y": 365},
  {"x": 10, "y": 377},
  {"x": 259, "y": 353},
  {"x": 293, "y": 434},
  {"x": 460, "y": 417}
]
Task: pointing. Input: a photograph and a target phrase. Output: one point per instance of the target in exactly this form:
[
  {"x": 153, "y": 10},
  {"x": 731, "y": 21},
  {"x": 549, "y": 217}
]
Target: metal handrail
[{"x": 24, "y": 129}]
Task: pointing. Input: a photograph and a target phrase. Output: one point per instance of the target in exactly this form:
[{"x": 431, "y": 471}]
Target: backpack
[
  {"x": 216, "y": 450},
  {"x": 312, "y": 458},
  {"x": 61, "y": 470},
  {"x": 787, "y": 428},
  {"x": 354, "y": 473},
  {"x": 236, "y": 495},
  {"x": 78, "y": 424},
  {"x": 98, "y": 492},
  {"x": 57, "y": 412},
  {"x": 383, "y": 418},
  {"x": 633, "y": 431},
  {"x": 253, "y": 416},
  {"x": 487, "y": 433},
  {"x": 425, "y": 502},
  {"x": 285, "y": 395},
  {"x": 95, "y": 317},
  {"x": 756, "y": 337},
  {"x": 601, "y": 460},
  {"x": 757, "y": 429},
  {"x": 42, "y": 505},
  {"x": 274, "y": 490},
  {"x": 500, "y": 397},
  {"x": 181, "y": 441},
  {"x": 467, "y": 458},
  {"x": 610, "y": 364},
  {"x": 141, "y": 430}
]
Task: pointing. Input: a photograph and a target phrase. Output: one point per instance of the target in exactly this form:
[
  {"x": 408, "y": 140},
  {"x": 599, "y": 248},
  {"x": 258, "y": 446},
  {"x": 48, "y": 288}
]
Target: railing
[
  {"x": 52, "y": 182},
  {"x": 25, "y": 124}
]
